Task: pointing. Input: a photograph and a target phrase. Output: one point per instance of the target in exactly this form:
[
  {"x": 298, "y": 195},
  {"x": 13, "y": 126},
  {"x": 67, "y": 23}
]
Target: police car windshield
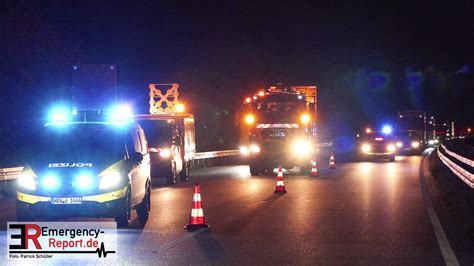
[{"x": 91, "y": 142}]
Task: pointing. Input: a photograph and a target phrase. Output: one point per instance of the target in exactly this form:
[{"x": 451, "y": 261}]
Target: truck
[
  {"x": 411, "y": 131},
  {"x": 278, "y": 128},
  {"x": 170, "y": 132}
]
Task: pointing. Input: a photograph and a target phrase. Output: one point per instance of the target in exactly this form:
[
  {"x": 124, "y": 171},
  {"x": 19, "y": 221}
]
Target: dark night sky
[{"x": 368, "y": 59}]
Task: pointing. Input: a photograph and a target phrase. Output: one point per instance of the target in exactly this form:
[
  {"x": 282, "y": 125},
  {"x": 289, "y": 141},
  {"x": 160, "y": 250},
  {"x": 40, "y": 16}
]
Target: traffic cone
[
  {"x": 314, "y": 169},
  {"x": 196, "y": 220},
  {"x": 280, "y": 185},
  {"x": 332, "y": 162}
]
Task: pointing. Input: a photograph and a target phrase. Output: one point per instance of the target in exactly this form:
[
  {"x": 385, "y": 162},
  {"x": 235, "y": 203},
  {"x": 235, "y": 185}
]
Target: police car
[
  {"x": 88, "y": 164},
  {"x": 378, "y": 144}
]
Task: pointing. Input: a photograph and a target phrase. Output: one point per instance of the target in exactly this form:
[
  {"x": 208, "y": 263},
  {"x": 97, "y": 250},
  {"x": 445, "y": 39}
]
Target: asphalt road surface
[{"x": 359, "y": 213}]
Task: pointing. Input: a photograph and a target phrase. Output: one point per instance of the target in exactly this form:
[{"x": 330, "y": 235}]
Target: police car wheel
[
  {"x": 392, "y": 158},
  {"x": 143, "y": 209},
  {"x": 123, "y": 218}
]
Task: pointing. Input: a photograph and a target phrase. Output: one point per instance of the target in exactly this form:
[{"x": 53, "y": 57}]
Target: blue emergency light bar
[{"x": 119, "y": 114}]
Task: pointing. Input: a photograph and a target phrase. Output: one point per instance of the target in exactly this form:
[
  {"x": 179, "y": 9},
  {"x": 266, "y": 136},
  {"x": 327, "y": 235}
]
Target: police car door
[
  {"x": 136, "y": 173},
  {"x": 145, "y": 165}
]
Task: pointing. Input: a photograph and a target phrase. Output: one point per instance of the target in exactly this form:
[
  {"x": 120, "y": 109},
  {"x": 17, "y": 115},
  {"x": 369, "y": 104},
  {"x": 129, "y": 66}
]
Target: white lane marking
[
  {"x": 180, "y": 240},
  {"x": 443, "y": 242}
]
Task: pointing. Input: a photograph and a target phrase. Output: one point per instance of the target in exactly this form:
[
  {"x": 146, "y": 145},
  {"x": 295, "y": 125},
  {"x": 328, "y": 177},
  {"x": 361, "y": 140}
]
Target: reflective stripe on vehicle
[{"x": 32, "y": 199}]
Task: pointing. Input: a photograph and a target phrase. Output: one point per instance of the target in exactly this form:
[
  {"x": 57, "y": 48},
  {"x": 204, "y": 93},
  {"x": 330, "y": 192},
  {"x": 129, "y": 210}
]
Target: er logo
[{"x": 26, "y": 234}]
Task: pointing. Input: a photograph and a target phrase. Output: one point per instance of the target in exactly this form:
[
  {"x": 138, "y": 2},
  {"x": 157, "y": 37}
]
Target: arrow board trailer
[{"x": 171, "y": 142}]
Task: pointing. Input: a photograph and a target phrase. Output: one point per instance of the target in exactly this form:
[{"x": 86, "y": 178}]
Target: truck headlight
[
  {"x": 301, "y": 147},
  {"x": 305, "y": 118},
  {"x": 391, "y": 148},
  {"x": 415, "y": 144},
  {"x": 249, "y": 119},
  {"x": 110, "y": 180},
  {"x": 254, "y": 148},
  {"x": 165, "y": 153},
  {"x": 244, "y": 150},
  {"x": 27, "y": 181},
  {"x": 366, "y": 148}
]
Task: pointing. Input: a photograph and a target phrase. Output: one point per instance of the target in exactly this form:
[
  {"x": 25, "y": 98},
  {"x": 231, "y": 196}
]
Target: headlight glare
[
  {"x": 366, "y": 148},
  {"x": 399, "y": 144},
  {"x": 305, "y": 118},
  {"x": 249, "y": 119},
  {"x": 391, "y": 148},
  {"x": 244, "y": 150},
  {"x": 254, "y": 148},
  {"x": 110, "y": 180},
  {"x": 301, "y": 147},
  {"x": 415, "y": 144},
  {"x": 84, "y": 181},
  {"x": 50, "y": 182},
  {"x": 165, "y": 153},
  {"x": 27, "y": 181}
]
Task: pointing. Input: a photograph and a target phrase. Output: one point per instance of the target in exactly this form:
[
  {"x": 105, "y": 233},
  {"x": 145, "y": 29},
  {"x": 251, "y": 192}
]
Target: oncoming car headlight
[
  {"x": 27, "y": 181},
  {"x": 301, "y": 147},
  {"x": 415, "y": 144},
  {"x": 110, "y": 180},
  {"x": 366, "y": 148},
  {"x": 391, "y": 148}
]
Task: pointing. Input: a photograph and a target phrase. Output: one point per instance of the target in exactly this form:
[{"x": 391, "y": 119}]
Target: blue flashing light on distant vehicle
[{"x": 386, "y": 129}]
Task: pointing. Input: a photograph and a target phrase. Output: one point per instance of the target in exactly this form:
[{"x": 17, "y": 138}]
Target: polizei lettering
[{"x": 65, "y": 165}]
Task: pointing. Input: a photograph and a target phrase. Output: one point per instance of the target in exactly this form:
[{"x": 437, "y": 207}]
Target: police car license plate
[{"x": 76, "y": 200}]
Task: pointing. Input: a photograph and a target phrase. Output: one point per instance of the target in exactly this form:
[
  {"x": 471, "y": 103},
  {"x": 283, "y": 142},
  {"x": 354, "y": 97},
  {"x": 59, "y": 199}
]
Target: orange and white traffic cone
[
  {"x": 196, "y": 220},
  {"x": 280, "y": 185},
  {"x": 314, "y": 169},
  {"x": 332, "y": 162}
]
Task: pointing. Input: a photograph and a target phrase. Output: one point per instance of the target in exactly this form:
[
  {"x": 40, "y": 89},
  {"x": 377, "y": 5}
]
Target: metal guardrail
[
  {"x": 210, "y": 158},
  {"x": 459, "y": 157},
  {"x": 466, "y": 176},
  {"x": 215, "y": 154}
]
